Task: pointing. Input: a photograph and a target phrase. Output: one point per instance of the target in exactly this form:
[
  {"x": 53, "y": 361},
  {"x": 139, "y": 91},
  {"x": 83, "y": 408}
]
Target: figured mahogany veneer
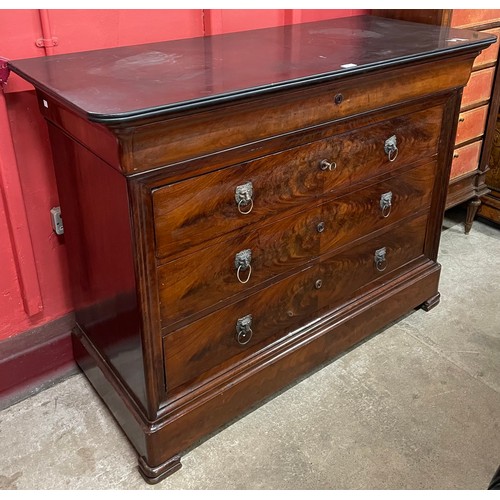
[
  {"x": 196, "y": 210},
  {"x": 197, "y": 281},
  {"x": 289, "y": 304},
  {"x": 231, "y": 226}
]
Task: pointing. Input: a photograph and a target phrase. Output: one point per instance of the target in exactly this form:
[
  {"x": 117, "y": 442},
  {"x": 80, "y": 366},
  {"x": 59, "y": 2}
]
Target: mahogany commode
[{"x": 241, "y": 208}]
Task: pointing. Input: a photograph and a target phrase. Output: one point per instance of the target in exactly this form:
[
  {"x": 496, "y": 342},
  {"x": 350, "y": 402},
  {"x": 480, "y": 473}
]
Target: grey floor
[{"x": 414, "y": 407}]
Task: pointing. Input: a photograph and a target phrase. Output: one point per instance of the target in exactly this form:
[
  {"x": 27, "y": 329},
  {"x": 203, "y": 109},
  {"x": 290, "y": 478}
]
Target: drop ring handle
[
  {"x": 244, "y": 196},
  {"x": 380, "y": 259},
  {"x": 391, "y": 148},
  {"x": 244, "y": 331},
  {"x": 243, "y": 203},
  {"x": 240, "y": 268},
  {"x": 386, "y": 204},
  {"x": 242, "y": 263}
]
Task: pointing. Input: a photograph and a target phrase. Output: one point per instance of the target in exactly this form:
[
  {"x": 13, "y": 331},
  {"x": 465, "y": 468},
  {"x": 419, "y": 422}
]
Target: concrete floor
[{"x": 415, "y": 407}]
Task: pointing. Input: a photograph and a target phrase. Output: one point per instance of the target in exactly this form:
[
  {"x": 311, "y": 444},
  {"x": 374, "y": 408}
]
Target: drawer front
[
  {"x": 286, "y": 306},
  {"x": 469, "y": 17},
  {"x": 223, "y": 128},
  {"x": 465, "y": 159},
  {"x": 192, "y": 212},
  {"x": 198, "y": 281},
  {"x": 478, "y": 89},
  {"x": 490, "y": 54},
  {"x": 471, "y": 124}
]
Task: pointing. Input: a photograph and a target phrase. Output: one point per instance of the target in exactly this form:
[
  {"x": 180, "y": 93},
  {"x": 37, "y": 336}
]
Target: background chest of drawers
[
  {"x": 229, "y": 230},
  {"x": 490, "y": 206},
  {"x": 479, "y": 107}
]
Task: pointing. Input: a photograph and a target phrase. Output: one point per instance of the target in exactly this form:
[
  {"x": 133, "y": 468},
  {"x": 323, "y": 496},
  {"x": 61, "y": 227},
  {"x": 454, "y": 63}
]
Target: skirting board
[{"x": 35, "y": 360}]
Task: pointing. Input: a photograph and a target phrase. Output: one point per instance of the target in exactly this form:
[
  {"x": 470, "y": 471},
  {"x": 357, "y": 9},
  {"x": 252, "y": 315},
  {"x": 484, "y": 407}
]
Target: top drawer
[{"x": 190, "y": 212}]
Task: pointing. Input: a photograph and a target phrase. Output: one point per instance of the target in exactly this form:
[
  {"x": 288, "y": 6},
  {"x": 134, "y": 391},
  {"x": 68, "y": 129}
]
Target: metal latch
[{"x": 57, "y": 223}]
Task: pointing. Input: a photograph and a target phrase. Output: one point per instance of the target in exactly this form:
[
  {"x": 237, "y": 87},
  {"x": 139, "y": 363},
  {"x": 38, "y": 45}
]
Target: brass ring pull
[
  {"x": 386, "y": 204},
  {"x": 243, "y": 203},
  {"x": 380, "y": 260},
  {"x": 391, "y": 148},
  {"x": 242, "y": 268},
  {"x": 244, "y": 331},
  {"x": 326, "y": 165}
]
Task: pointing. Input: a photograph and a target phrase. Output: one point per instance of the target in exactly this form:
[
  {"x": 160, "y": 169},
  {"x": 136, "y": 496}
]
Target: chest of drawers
[{"x": 239, "y": 209}]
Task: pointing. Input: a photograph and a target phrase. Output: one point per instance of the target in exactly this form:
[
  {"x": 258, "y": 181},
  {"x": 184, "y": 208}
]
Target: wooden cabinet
[
  {"x": 479, "y": 108},
  {"x": 490, "y": 207},
  {"x": 231, "y": 228}
]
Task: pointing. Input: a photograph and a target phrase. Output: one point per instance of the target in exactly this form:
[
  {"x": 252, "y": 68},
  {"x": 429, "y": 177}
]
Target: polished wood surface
[
  {"x": 191, "y": 284},
  {"x": 287, "y": 305},
  {"x": 153, "y": 226},
  {"x": 221, "y": 128},
  {"x": 103, "y": 280},
  {"x": 192, "y": 212}
]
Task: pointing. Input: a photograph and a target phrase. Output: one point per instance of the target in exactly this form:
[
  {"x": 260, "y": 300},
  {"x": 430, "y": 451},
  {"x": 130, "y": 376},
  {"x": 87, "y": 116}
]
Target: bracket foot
[
  {"x": 154, "y": 475},
  {"x": 431, "y": 303}
]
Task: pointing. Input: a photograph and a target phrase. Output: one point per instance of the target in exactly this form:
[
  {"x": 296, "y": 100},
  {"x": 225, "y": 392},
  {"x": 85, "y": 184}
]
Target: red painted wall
[{"x": 33, "y": 273}]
